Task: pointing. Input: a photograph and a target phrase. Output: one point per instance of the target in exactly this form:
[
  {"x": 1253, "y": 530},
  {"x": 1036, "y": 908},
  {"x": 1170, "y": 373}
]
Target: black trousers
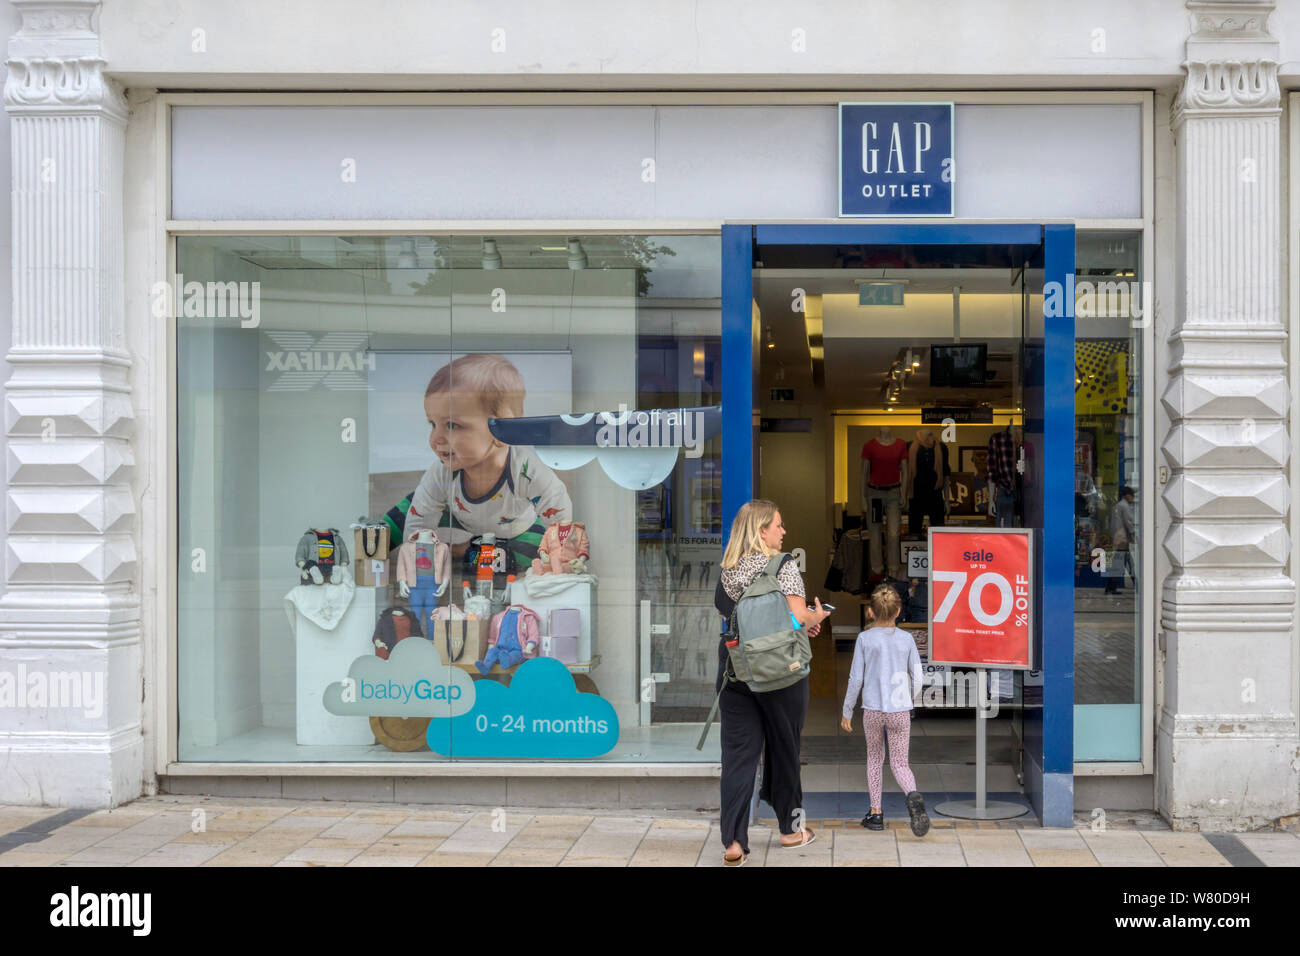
[
  {"x": 771, "y": 723},
  {"x": 921, "y": 505}
]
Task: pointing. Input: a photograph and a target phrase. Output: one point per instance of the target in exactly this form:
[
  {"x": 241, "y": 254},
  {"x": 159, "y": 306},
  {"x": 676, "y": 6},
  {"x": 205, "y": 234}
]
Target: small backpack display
[{"x": 766, "y": 647}]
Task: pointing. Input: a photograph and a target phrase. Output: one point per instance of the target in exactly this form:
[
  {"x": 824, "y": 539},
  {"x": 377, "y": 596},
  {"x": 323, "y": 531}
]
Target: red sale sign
[{"x": 980, "y": 597}]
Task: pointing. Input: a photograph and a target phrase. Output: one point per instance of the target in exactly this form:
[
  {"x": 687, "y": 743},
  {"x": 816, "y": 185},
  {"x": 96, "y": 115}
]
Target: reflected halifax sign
[{"x": 896, "y": 159}]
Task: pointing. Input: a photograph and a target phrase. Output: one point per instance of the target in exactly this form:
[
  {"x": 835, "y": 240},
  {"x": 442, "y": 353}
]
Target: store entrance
[
  {"x": 881, "y": 399},
  {"x": 898, "y": 385}
]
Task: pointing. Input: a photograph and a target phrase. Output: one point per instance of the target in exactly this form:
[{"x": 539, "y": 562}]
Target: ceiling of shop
[{"x": 862, "y": 343}]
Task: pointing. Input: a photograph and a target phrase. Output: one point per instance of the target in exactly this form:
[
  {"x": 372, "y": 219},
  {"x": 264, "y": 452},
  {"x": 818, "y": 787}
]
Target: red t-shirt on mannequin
[{"x": 885, "y": 461}]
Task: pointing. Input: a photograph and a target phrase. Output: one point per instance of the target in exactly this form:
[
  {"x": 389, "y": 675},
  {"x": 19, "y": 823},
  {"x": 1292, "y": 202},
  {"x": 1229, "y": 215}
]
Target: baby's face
[{"x": 458, "y": 430}]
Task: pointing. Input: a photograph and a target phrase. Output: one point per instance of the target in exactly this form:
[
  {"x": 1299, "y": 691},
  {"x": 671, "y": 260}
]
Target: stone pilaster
[
  {"x": 1227, "y": 747},
  {"x": 70, "y": 724}
]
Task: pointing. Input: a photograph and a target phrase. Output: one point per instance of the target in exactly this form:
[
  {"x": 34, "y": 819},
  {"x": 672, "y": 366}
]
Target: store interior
[{"x": 888, "y": 358}]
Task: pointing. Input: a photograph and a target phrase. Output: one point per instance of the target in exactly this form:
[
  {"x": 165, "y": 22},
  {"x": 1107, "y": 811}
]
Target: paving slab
[
  {"x": 608, "y": 841},
  {"x": 1121, "y": 848},
  {"x": 1273, "y": 849},
  {"x": 1184, "y": 849}
]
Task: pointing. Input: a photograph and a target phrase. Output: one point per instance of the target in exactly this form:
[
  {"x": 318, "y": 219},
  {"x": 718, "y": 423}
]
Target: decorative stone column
[
  {"x": 1227, "y": 747},
  {"x": 70, "y": 713}
]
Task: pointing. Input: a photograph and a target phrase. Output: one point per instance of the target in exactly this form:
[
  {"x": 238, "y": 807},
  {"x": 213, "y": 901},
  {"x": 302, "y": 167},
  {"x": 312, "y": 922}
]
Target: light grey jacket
[{"x": 886, "y": 671}]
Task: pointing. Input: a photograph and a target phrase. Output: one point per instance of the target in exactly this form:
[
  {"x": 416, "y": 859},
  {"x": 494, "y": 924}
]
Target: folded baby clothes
[{"x": 324, "y": 606}]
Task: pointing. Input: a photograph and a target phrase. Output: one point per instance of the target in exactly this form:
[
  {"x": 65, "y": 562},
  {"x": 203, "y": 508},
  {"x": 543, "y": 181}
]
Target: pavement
[{"x": 202, "y": 831}]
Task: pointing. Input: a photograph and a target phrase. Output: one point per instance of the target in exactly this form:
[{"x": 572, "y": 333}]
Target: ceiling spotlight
[
  {"x": 491, "y": 258},
  {"x": 770, "y": 344},
  {"x": 577, "y": 255}
]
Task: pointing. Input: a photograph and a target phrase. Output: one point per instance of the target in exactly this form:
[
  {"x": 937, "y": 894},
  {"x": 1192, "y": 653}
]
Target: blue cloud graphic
[{"x": 540, "y": 715}]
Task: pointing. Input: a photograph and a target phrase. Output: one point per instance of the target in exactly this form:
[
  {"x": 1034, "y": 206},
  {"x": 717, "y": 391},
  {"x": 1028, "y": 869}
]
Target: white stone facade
[{"x": 89, "y": 545}]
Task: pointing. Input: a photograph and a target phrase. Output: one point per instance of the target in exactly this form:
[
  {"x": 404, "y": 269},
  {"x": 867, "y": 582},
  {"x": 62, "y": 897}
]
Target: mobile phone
[{"x": 825, "y": 607}]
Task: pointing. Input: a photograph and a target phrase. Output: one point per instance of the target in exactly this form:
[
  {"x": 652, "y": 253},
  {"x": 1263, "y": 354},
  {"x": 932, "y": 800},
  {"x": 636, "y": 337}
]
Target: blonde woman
[{"x": 774, "y": 719}]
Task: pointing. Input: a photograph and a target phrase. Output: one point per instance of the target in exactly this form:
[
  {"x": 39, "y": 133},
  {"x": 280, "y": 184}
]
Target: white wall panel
[
  {"x": 590, "y": 162},
  {"x": 1049, "y": 162}
]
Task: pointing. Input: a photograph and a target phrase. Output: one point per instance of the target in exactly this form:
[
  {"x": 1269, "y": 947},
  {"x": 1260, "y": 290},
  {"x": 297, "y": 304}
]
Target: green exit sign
[{"x": 880, "y": 293}]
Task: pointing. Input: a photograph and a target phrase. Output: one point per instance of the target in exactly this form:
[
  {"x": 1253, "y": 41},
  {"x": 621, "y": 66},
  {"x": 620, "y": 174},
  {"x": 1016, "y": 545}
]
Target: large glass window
[
  {"x": 1111, "y": 310},
  {"x": 447, "y": 497}
]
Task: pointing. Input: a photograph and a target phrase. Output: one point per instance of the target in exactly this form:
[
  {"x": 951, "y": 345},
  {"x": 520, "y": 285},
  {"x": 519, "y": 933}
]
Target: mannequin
[
  {"x": 423, "y": 572},
  {"x": 927, "y": 482},
  {"x": 1005, "y": 470},
  {"x": 884, "y": 475}
]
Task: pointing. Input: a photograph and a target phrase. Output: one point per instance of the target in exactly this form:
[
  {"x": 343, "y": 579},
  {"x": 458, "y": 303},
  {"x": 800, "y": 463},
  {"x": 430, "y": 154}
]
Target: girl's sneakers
[
  {"x": 916, "y": 810},
  {"x": 874, "y": 821}
]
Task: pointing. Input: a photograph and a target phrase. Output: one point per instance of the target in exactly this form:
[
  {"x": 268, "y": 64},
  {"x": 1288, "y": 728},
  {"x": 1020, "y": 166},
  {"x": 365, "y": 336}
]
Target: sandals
[
  {"x": 734, "y": 861},
  {"x": 808, "y": 837}
]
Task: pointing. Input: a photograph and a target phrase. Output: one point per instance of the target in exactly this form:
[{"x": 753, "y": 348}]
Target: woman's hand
[
  {"x": 805, "y": 615},
  {"x": 813, "y": 629},
  {"x": 846, "y": 725}
]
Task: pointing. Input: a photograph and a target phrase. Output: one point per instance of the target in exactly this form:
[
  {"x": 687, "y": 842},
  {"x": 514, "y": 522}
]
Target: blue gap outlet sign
[{"x": 896, "y": 159}]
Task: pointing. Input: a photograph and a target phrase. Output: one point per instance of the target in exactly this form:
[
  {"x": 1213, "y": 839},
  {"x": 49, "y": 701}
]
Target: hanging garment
[{"x": 847, "y": 568}]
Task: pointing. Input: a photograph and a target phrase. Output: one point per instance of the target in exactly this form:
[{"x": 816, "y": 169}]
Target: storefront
[
  {"x": 604, "y": 379},
  {"x": 445, "y": 402}
]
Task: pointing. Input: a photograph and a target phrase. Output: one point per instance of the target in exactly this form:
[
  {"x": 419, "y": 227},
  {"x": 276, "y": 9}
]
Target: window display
[{"x": 501, "y": 405}]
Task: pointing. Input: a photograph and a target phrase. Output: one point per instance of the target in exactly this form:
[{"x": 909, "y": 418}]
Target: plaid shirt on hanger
[{"x": 1002, "y": 461}]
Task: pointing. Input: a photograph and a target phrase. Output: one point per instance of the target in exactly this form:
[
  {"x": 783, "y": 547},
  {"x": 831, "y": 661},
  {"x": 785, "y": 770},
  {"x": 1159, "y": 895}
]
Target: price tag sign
[
  {"x": 981, "y": 597},
  {"x": 918, "y": 563}
]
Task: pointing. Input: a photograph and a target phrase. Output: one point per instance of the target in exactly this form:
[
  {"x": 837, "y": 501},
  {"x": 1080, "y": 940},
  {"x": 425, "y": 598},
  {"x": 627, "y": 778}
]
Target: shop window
[
  {"x": 1111, "y": 311},
  {"x": 447, "y": 497}
]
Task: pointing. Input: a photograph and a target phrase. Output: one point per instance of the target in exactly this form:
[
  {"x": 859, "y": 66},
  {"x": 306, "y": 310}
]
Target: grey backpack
[{"x": 765, "y": 647}]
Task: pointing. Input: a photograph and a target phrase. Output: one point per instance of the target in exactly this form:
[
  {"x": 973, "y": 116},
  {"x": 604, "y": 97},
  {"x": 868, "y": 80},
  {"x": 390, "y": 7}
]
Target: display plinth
[
  {"x": 579, "y": 592},
  {"x": 323, "y": 657}
]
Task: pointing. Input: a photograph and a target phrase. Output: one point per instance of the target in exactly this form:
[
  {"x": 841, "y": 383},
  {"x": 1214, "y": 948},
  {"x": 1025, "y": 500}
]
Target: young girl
[{"x": 886, "y": 673}]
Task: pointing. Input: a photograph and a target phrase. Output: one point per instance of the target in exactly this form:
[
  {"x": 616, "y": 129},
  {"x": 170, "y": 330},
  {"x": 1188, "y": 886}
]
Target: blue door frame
[{"x": 1049, "y": 425}]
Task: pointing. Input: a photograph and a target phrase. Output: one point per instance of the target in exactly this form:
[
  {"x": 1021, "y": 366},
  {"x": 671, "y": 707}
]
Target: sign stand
[{"x": 980, "y": 808}]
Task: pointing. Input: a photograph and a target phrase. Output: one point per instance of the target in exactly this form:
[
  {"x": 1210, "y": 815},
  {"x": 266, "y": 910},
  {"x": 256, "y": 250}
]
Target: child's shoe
[
  {"x": 875, "y": 821},
  {"x": 916, "y": 810}
]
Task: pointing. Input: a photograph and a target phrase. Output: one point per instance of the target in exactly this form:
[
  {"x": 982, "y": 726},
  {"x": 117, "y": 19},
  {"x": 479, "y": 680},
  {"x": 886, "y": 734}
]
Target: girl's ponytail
[{"x": 885, "y": 604}]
